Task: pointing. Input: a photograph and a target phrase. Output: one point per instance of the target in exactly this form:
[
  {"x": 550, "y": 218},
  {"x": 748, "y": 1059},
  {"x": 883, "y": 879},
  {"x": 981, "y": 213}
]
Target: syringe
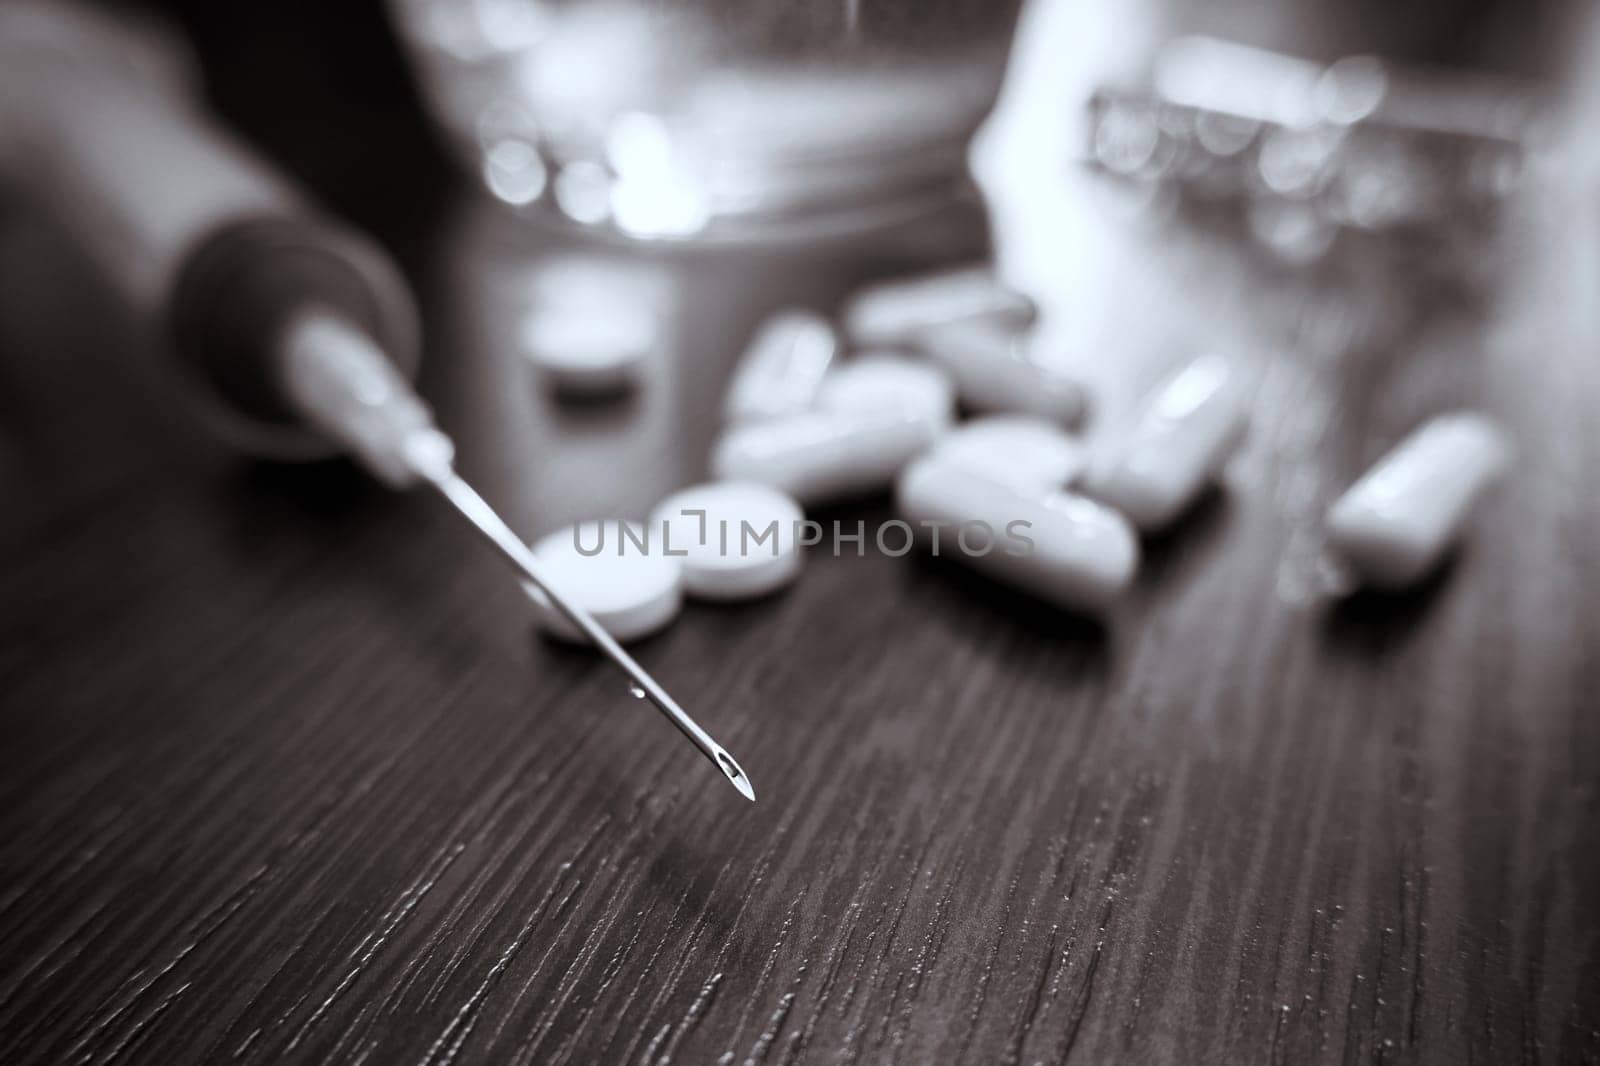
[{"x": 298, "y": 336}]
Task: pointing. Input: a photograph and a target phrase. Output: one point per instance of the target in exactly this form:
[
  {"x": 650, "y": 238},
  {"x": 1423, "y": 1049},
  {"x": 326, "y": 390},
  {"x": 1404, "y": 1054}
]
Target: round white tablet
[
  {"x": 870, "y": 384},
  {"x": 1030, "y": 454},
  {"x": 589, "y": 350},
  {"x": 614, "y": 570},
  {"x": 738, "y": 538}
]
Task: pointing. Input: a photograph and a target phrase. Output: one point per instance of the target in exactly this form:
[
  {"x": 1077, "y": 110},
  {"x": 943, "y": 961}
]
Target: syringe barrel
[{"x": 101, "y": 127}]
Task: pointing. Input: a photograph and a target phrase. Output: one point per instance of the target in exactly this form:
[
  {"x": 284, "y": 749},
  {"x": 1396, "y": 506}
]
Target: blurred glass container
[
  {"x": 713, "y": 120},
  {"x": 1311, "y": 156}
]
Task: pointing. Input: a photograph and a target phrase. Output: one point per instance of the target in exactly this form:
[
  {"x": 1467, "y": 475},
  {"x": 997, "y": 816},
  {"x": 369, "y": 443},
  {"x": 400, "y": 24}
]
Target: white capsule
[
  {"x": 782, "y": 368},
  {"x": 994, "y": 372},
  {"x": 1395, "y": 524},
  {"x": 587, "y": 350},
  {"x": 1030, "y": 454},
  {"x": 870, "y": 384},
  {"x": 1063, "y": 548},
  {"x": 615, "y": 572},
  {"x": 737, "y": 539},
  {"x": 1181, "y": 438},
  {"x": 820, "y": 456},
  {"x": 898, "y": 312}
]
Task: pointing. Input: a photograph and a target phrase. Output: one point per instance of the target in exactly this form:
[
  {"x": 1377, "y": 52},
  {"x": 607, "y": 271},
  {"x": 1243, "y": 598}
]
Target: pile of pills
[{"x": 814, "y": 416}]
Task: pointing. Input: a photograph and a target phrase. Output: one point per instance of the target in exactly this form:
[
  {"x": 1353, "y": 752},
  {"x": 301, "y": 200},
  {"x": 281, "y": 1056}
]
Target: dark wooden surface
[{"x": 285, "y": 774}]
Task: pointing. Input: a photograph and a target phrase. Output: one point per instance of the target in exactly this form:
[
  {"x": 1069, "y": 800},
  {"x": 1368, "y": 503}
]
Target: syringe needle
[
  {"x": 430, "y": 459},
  {"x": 342, "y": 384}
]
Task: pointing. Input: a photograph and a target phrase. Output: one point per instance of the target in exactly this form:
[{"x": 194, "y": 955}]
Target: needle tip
[{"x": 736, "y": 774}]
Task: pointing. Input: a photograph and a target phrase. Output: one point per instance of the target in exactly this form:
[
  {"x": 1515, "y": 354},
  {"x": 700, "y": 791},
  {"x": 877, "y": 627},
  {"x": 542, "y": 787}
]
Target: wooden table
[{"x": 287, "y": 776}]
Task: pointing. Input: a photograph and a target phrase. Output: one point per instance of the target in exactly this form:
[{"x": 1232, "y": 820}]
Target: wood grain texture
[{"x": 286, "y": 776}]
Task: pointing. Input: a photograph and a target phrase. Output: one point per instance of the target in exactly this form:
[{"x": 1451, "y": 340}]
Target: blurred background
[{"x": 1331, "y": 175}]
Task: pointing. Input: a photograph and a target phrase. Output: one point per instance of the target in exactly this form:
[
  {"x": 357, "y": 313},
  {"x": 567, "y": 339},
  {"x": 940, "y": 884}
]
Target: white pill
[
  {"x": 612, "y": 570},
  {"x": 1182, "y": 436},
  {"x": 782, "y": 368},
  {"x": 589, "y": 350},
  {"x": 738, "y": 538},
  {"x": 1063, "y": 548},
  {"x": 869, "y": 384},
  {"x": 1395, "y": 524},
  {"x": 995, "y": 372},
  {"x": 897, "y": 312},
  {"x": 1027, "y": 453},
  {"x": 821, "y": 456}
]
